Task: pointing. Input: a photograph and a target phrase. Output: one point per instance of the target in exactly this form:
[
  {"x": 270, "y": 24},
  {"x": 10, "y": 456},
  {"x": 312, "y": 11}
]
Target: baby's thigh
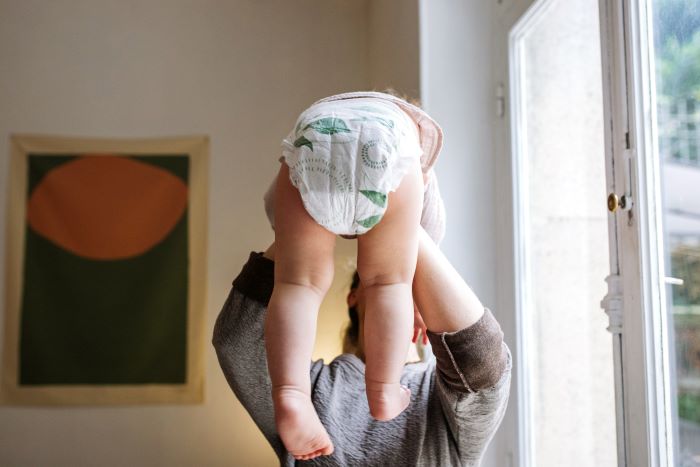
[
  {"x": 303, "y": 248},
  {"x": 387, "y": 253}
]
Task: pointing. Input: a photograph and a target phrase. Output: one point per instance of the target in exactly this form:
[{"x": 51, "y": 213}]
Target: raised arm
[
  {"x": 445, "y": 301},
  {"x": 473, "y": 363},
  {"x": 466, "y": 339}
]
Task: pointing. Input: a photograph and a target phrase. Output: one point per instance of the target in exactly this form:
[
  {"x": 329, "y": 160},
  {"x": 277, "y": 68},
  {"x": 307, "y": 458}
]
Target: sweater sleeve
[
  {"x": 238, "y": 339},
  {"x": 472, "y": 358},
  {"x": 473, "y": 383}
]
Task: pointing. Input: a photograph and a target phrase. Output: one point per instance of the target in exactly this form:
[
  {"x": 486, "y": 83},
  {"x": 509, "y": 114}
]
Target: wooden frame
[{"x": 197, "y": 148}]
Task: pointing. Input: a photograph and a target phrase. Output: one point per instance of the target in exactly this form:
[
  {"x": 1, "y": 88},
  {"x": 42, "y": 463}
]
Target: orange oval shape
[{"x": 106, "y": 207}]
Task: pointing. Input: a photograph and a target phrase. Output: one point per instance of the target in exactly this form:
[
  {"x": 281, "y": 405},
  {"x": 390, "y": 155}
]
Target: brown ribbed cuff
[
  {"x": 257, "y": 278},
  {"x": 472, "y": 358}
]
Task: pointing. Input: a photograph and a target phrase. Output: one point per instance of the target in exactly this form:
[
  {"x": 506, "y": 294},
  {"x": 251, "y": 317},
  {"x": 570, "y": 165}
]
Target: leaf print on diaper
[
  {"x": 370, "y": 222},
  {"x": 303, "y": 119},
  {"x": 329, "y": 126},
  {"x": 376, "y": 197},
  {"x": 373, "y": 164},
  {"x": 302, "y": 141}
]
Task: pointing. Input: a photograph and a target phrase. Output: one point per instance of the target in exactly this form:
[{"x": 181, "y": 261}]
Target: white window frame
[
  {"x": 635, "y": 302},
  {"x": 636, "y": 235},
  {"x": 526, "y": 386}
]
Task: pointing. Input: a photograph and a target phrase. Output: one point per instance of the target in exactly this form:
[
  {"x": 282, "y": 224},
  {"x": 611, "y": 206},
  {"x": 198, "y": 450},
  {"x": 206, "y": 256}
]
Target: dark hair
[{"x": 352, "y": 331}]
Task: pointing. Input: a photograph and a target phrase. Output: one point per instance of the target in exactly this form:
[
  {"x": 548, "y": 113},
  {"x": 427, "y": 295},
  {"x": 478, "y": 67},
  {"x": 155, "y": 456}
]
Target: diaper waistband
[{"x": 431, "y": 134}]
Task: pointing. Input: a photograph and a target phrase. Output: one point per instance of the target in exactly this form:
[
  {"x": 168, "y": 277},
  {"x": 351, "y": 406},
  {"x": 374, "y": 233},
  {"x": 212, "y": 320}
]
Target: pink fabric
[{"x": 433, "y": 217}]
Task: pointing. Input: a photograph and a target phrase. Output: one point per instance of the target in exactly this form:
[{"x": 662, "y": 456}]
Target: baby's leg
[
  {"x": 303, "y": 274},
  {"x": 386, "y": 263}
]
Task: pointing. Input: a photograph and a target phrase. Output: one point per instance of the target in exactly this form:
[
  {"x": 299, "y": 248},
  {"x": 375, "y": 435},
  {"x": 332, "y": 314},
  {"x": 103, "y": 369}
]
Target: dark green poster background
[{"x": 104, "y": 322}]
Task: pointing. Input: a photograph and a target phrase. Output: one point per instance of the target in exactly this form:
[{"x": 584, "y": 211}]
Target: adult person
[{"x": 458, "y": 398}]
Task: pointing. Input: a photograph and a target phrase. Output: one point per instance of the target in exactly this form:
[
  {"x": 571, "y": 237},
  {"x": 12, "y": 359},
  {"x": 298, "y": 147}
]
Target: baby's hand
[{"x": 418, "y": 326}]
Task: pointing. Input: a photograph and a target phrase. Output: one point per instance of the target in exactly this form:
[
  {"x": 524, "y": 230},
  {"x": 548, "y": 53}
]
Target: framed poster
[{"x": 105, "y": 291}]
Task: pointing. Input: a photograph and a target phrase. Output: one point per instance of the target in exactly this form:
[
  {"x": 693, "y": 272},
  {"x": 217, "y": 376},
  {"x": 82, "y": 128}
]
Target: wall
[
  {"x": 239, "y": 71},
  {"x": 394, "y": 45},
  {"x": 458, "y": 90}
]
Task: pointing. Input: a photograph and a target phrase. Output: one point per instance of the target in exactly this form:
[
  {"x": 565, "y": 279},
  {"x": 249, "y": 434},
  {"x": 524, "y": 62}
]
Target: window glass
[
  {"x": 676, "y": 25},
  {"x": 570, "y": 361}
]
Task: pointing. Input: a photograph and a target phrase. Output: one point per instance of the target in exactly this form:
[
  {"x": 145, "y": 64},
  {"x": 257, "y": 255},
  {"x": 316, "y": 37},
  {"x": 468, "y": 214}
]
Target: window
[
  {"x": 566, "y": 353},
  {"x": 676, "y": 26}
]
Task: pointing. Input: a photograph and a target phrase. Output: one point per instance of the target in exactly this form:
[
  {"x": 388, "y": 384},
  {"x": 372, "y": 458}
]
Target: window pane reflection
[{"x": 676, "y": 25}]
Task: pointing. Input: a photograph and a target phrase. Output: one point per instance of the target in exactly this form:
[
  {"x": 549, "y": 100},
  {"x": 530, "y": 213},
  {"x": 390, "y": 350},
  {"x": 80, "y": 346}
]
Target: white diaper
[{"x": 345, "y": 157}]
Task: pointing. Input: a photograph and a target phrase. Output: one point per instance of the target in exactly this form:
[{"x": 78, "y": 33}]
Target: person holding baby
[{"x": 360, "y": 165}]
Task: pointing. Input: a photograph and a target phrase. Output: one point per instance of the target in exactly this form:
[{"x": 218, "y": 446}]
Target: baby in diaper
[{"x": 353, "y": 165}]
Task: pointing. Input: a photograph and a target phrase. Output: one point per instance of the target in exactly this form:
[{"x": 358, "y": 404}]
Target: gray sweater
[{"x": 458, "y": 397}]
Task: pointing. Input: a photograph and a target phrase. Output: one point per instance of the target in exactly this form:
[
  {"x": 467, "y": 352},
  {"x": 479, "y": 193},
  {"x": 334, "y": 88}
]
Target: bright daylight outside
[{"x": 676, "y": 26}]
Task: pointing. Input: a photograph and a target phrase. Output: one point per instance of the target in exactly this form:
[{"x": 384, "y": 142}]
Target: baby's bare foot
[
  {"x": 298, "y": 425},
  {"x": 387, "y": 400}
]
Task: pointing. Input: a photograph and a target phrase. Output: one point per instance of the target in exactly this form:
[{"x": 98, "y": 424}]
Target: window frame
[
  {"x": 521, "y": 257},
  {"x": 636, "y": 301},
  {"x": 637, "y": 259}
]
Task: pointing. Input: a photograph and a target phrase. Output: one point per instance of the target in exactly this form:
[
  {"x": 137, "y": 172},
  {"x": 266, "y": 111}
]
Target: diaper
[{"x": 346, "y": 156}]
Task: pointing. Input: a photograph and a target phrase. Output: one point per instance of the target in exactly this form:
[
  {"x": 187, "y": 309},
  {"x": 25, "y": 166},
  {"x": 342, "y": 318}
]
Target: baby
[{"x": 352, "y": 166}]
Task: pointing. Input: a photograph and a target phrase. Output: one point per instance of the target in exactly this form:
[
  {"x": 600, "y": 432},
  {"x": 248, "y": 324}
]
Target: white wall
[
  {"x": 506, "y": 15},
  {"x": 458, "y": 90},
  {"x": 239, "y": 71},
  {"x": 394, "y": 45}
]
